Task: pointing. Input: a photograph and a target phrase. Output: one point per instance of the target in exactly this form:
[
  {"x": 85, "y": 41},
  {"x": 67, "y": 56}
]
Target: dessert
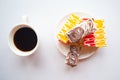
[
  {"x": 78, "y": 32},
  {"x": 72, "y": 58}
]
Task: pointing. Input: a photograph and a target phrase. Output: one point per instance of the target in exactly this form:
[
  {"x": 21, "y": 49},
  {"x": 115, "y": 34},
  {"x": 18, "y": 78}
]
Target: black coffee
[{"x": 25, "y": 39}]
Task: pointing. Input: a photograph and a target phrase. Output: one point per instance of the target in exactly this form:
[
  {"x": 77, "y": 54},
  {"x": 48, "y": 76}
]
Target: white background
[{"x": 47, "y": 63}]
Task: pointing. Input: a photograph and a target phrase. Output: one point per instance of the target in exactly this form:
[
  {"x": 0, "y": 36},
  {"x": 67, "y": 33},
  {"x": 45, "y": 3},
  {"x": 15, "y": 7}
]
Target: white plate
[{"x": 86, "y": 52}]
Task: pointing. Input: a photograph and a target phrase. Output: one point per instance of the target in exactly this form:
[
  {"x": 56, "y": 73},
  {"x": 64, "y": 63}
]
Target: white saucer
[{"x": 86, "y": 52}]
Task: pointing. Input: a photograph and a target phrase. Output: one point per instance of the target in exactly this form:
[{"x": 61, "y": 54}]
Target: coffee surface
[{"x": 25, "y": 39}]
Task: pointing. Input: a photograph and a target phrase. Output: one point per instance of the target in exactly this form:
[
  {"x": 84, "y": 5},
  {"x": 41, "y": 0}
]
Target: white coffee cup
[{"x": 12, "y": 45}]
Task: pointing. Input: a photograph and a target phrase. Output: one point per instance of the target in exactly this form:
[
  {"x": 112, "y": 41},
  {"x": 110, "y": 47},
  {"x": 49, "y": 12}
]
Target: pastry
[{"x": 79, "y": 31}]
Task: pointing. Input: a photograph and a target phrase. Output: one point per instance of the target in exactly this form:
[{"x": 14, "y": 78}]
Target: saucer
[{"x": 86, "y": 51}]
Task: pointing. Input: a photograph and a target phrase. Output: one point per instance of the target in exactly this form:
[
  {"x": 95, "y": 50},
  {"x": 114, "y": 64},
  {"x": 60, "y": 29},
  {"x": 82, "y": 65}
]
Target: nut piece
[{"x": 75, "y": 34}]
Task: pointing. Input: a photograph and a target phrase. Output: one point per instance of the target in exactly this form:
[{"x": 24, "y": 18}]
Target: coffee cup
[{"x": 23, "y": 40}]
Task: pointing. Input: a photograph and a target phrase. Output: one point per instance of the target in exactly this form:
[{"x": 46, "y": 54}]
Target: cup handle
[{"x": 25, "y": 19}]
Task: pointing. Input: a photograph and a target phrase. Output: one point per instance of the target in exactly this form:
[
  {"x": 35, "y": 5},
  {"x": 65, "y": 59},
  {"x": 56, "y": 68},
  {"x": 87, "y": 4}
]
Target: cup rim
[{"x": 12, "y": 45}]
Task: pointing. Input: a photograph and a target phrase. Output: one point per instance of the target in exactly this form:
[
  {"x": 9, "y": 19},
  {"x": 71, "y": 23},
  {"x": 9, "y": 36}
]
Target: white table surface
[{"x": 47, "y": 63}]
